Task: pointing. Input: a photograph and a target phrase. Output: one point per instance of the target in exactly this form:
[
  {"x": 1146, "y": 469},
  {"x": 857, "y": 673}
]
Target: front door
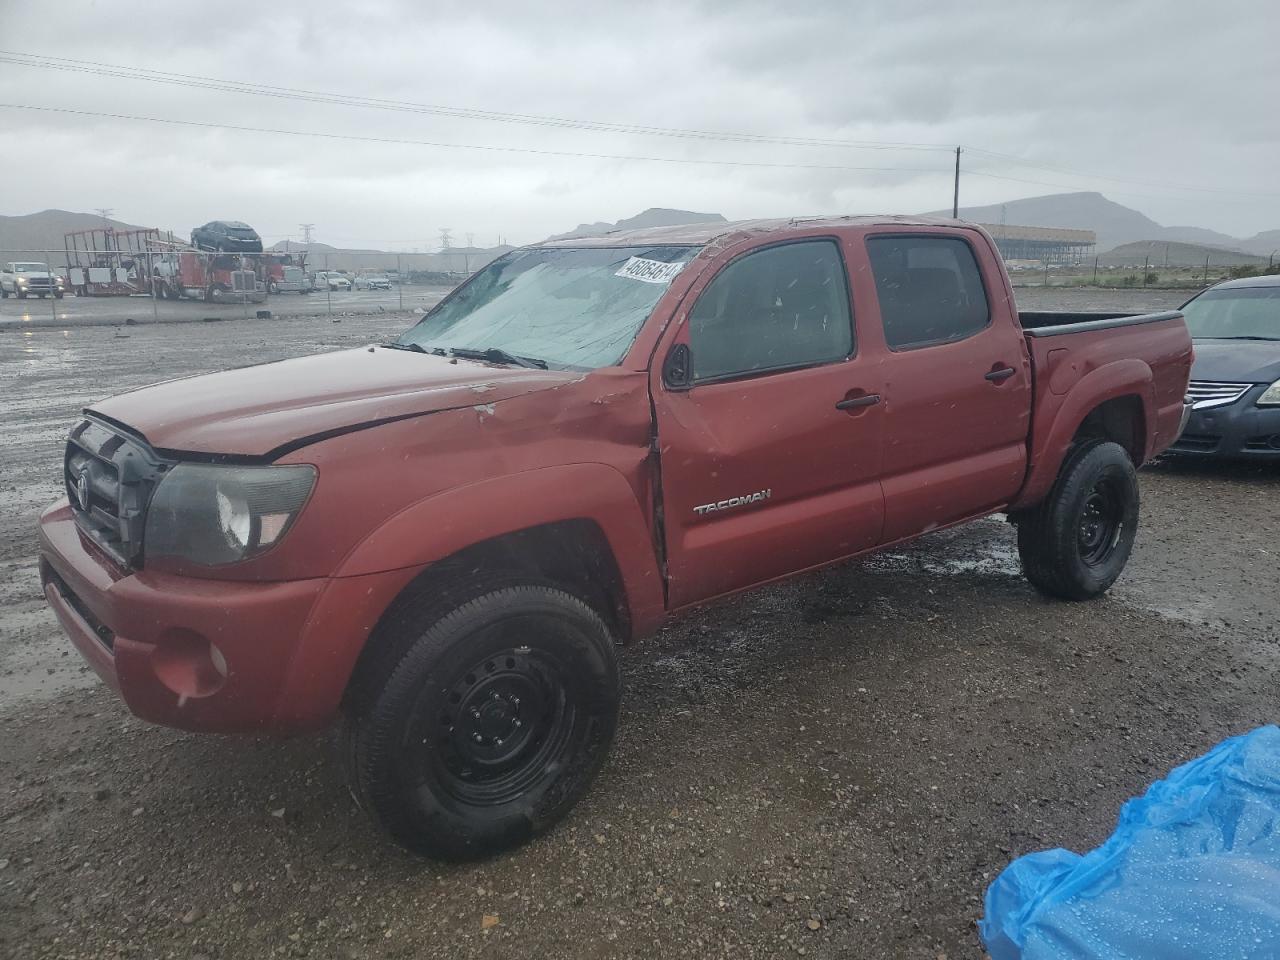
[{"x": 770, "y": 447}]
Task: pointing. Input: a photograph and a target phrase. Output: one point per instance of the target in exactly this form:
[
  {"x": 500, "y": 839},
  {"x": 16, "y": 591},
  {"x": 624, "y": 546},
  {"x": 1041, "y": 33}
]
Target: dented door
[{"x": 773, "y": 469}]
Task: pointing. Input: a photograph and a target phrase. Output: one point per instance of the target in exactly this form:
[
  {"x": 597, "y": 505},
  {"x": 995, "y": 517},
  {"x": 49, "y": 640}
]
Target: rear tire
[
  {"x": 482, "y": 726},
  {"x": 1076, "y": 542}
]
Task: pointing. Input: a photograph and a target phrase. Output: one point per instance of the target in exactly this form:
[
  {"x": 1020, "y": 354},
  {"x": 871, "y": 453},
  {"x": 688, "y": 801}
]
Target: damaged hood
[{"x": 254, "y": 411}]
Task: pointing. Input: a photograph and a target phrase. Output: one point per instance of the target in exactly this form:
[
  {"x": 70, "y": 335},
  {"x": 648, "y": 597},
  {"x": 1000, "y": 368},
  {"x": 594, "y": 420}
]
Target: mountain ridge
[{"x": 1114, "y": 224}]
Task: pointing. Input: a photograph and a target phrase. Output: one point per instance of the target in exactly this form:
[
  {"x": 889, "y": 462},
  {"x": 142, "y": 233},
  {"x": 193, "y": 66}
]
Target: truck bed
[
  {"x": 1052, "y": 323},
  {"x": 1080, "y": 359}
]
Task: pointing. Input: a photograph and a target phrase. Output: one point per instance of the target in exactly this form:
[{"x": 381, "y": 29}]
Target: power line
[
  {"x": 467, "y": 146},
  {"x": 121, "y": 71}
]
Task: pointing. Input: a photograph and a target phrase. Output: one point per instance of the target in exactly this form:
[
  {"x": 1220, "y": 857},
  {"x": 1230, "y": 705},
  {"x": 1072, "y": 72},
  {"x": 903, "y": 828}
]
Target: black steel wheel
[
  {"x": 1076, "y": 543},
  {"x": 501, "y": 722},
  {"x": 477, "y": 730},
  {"x": 1101, "y": 521}
]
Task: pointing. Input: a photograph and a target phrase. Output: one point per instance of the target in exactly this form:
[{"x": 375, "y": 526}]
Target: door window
[
  {"x": 929, "y": 288},
  {"x": 776, "y": 309}
]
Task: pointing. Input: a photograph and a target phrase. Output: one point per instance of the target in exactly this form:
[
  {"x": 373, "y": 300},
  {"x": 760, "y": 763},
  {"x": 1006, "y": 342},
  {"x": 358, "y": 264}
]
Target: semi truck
[
  {"x": 212, "y": 277},
  {"x": 284, "y": 272}
]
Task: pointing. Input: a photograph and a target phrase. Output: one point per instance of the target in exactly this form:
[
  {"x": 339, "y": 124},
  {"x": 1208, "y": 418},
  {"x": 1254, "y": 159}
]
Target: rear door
[
  {"x": 770, "y": 441},
  {"x": 957, "y": 380}
]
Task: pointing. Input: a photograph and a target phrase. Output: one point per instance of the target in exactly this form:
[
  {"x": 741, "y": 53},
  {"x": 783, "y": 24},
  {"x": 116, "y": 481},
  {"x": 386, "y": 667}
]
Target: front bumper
[
  {"x": 211, "y": 655},
  {"x": 222, "y": 295},
  {"x": 1241, "y": 430}
]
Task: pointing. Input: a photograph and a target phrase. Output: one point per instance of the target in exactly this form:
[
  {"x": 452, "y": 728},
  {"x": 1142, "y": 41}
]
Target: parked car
[
  {"x": 331, "y": 280},
  {"x": 441, "y": 540},
  {"x": 374, "y": 281},
  {"x": 1235, "y": 383},
  {"x": 23, "y": 279},
  {"x": 226, "y": 236}
]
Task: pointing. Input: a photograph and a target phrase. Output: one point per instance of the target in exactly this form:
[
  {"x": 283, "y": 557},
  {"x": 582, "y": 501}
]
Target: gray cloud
[{"x": 1151, "y": 93}]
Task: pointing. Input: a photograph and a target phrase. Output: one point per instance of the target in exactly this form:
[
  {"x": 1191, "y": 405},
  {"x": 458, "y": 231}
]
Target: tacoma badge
[{"x": 741, "y": 501}]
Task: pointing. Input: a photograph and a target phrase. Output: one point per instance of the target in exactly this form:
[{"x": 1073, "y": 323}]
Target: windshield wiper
[
  {"x": 413, "y": 347},
  {"x": 497, "y": 355}
]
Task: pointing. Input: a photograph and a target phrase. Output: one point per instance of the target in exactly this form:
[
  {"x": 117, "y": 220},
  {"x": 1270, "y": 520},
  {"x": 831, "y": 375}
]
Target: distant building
[{"x": 1045, "y": 244}]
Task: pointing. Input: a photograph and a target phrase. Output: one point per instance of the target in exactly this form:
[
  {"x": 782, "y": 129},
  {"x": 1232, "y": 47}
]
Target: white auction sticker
[{"x": 650, "y": 271}]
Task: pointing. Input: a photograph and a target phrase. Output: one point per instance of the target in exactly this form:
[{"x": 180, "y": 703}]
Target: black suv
[{"x": 226, "y": 236}]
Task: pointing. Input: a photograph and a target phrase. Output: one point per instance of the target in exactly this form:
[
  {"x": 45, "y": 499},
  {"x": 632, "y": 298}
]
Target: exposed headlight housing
[
  {"x": 1271, "y": 396},
  {"x": 215, "y": 515}
]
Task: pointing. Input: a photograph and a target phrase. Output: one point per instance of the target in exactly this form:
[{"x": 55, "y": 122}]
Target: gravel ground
[{"x": 832, "y": 767}]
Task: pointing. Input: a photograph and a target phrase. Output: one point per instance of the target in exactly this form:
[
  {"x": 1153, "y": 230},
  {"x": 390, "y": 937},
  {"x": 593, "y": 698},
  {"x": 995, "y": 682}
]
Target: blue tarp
[{"x": 1192, "y": 871}]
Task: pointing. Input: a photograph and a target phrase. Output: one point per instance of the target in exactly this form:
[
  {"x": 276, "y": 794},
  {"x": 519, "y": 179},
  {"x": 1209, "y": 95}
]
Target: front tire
[
  {"x": 482, "y": 727},
  {"x": 1076, "y": 543}
]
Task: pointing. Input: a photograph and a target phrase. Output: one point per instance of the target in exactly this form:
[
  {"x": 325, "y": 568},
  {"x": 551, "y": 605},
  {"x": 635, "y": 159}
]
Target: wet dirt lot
[{"x": 833, "y": 767}]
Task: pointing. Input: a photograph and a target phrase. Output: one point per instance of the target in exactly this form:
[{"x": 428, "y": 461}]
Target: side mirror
[{"x": 677, "y": 369}]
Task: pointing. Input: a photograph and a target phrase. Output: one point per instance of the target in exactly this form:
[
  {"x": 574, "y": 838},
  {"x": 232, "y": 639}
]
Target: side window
[
  {"x": 929, "y": 288},
  {"x": 777, "y": 308}
]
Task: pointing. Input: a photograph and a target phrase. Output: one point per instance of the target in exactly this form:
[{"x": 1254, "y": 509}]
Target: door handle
[
  {"x": 1000, "y": 374},
  {"x": 867, "y": 400}
]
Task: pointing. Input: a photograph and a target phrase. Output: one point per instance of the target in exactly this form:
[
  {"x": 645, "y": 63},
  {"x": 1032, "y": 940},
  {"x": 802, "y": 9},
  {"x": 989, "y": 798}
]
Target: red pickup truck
[{"x": 440, "y": 540}]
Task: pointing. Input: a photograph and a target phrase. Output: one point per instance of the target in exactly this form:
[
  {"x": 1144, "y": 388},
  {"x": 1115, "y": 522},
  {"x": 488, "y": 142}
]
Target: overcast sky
[{"x": 1161, "y": 96}]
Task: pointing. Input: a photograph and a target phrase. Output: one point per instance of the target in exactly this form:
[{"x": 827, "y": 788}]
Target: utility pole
[
  {"x": 105, "y": 213},
  {"x": 955, "y": 196},
  {"x": 306, "y": 229}
]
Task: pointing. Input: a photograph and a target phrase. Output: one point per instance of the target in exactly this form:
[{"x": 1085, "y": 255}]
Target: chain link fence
[
  {"x": 1132, "y": 275},
  {"x": 173, "y": 283}
]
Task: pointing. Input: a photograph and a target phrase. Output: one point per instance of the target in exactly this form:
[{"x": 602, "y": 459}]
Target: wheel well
[
  {"x": 1121, "y": 420},
  {"x": 573, "y": 555}
]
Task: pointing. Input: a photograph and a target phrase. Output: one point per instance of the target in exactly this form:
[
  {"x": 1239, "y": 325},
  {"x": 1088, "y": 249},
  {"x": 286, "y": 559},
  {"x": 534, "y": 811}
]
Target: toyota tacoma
[{"x": 438, "y": 542}]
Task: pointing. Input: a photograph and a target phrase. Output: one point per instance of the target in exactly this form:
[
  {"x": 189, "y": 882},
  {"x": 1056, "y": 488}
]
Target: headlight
[
  {"x": 21, "y": 281},
  {"x": 214, "y": 515},
  {"x": 1271, "y": 396}
]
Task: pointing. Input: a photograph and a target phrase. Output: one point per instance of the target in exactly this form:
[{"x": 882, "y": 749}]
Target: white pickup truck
[{"x": 21, "y": 279}]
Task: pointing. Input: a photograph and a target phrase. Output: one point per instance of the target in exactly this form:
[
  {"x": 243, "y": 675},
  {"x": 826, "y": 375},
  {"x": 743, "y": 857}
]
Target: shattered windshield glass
[{"x": 576, "y": 308}]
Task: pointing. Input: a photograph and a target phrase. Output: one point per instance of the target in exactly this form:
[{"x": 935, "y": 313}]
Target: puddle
[{"x": 985, "y": 547}]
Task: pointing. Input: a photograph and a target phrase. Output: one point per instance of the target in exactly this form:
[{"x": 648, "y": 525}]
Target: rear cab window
[{"x": 929, "y": 288}]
